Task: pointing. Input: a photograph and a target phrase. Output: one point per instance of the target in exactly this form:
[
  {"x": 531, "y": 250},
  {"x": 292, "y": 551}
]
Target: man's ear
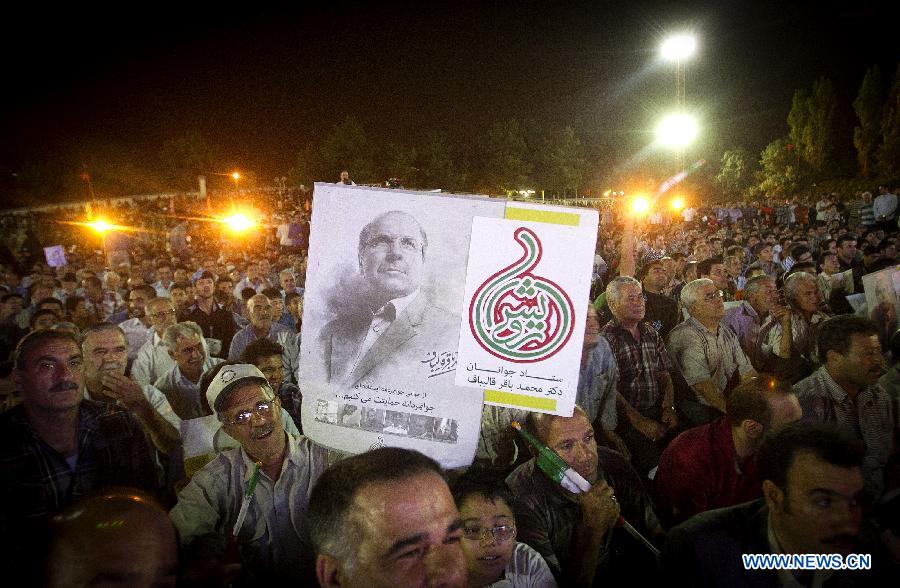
[
  {"x": 753, "y": 429},
  {"x": 328, "y": 571},
  {"x": 773, "y": 495}
]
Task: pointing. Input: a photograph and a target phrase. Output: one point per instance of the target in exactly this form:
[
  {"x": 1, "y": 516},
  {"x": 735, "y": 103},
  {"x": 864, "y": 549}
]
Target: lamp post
[{"x": 678, "y": 48}]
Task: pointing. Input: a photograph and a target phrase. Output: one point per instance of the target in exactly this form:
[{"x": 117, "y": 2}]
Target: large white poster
[
  {"x": 882, "y": 290},
  {"x": 526, "y": 305},
  {"x": 381, "y": 320}
]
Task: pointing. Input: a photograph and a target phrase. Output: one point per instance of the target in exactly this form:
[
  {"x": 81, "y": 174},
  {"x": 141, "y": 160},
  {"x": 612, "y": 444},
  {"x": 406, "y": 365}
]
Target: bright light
[
  {"x": 678, "y": 47},
  {"x": 236, "y": 176},
  {"x": 640, "y": 205},
  {"x": 677, "y": 130},
  {"x": 100, "y": 225},
  {"x": 677, "y": 204},
  {"x": 238, "y": 222}
]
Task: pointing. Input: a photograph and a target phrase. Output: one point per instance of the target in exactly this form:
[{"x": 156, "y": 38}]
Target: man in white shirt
[
  {"x": 153, "y": 358},
  {"x": 181, "y": 383},
  {"x": 164, "y": 279},
  {"x": 274, "y": 537},
  {"x": 885, "y": 207},
  {"x": 138, "y": 329}
]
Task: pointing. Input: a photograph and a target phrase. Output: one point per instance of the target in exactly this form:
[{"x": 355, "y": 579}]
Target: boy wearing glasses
[{"x": 273, "y": 539}]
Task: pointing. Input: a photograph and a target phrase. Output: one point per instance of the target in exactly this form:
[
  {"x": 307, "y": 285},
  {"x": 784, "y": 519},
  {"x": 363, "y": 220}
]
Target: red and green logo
[{"x": 520, "y": 316}]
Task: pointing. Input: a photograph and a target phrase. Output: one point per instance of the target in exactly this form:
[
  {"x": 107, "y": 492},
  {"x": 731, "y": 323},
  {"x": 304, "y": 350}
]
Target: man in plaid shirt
[
  {"x": 58, "y": 446},
  {"x": 646, "y": 393}
]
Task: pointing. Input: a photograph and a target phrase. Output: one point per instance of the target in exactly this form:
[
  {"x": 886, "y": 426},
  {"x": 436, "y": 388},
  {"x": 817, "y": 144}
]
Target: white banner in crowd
[
  {"x": 383, "y": 309},
  {"x": 525, "y": 307},
  {"x": 882, "y": 289},
  {"x": 56, "y": 256},
  {"x": 381, "y": 315}
]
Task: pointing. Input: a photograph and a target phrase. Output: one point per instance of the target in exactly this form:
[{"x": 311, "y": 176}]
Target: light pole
[{"x": 677, "y": 49}]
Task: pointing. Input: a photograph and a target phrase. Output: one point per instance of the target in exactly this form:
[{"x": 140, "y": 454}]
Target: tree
[
  {"x": 505, "y": 158},
  {"x": 401, "y": 162},
  {"x": 812, "y": 122},
  {"x": 567, "y": 164},
  {"x": 186, "y": 157},
  {"x": 868, "y": 107},
  {"x": 778, "y": 169},
  {"x": 348, "y": 148},
  {"x": 734, "y": 175},
  {"x": 440, "y": 165},
  {"x": 888, "y": 153},
  {"x": 308, "y": 167}
]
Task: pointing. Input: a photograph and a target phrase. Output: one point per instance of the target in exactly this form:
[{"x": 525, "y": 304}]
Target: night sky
[{"x": 259, "y": 83}]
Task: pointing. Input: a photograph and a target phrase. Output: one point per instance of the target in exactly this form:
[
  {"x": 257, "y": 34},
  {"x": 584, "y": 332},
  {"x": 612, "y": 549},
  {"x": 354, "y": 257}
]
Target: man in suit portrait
[{"x": 388, "y": 331}]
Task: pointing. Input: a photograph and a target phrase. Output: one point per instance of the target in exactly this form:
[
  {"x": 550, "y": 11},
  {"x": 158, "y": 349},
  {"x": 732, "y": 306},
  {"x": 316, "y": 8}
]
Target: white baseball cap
[{"x": 228, "y": 379}]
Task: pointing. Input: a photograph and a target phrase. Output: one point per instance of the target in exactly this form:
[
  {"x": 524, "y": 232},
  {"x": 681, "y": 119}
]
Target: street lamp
[
  {"x": 678, "y": 48},
  {"x": 677, "y": 131}
]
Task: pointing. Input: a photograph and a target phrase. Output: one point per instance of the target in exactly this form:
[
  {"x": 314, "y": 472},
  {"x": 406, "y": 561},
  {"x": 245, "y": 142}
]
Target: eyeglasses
[
  {"x": 713, "y": 295},
  {"x": 497, "y": 534},
  {"x": 162, "y": 313},
  {"x": 262, "y": 409}
]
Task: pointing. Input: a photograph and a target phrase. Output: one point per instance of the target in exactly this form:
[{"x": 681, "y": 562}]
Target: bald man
[
  {"x": 121, "y": 538},
  {"x": 393, "y": 328}
]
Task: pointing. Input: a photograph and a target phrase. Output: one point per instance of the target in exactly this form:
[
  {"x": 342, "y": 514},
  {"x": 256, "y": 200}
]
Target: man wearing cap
[
  {"x": 216, "y": 321},
  {"x": 273, "y": 538}
]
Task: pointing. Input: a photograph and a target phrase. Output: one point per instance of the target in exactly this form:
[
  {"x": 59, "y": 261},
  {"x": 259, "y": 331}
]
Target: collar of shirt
[
  {"x": 292, "y": 453},
  {"x": 644, "y": 328},
  {"x": 700, "y": 326},
  {"x": 399, "y": 304},
  {"x": 787, "y": 579}
]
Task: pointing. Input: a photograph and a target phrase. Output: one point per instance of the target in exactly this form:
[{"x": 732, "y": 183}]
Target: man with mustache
[
  {"x": 577, "y": 534},
  {"x": 58, "y": 446},
  {"x": 394, "y": 327},
  {"x": 813, "y": 493},
  {"x": 274, "y": 538},
  {"x": 845, "y": 391},
  {"x": 105, "y": 358}
]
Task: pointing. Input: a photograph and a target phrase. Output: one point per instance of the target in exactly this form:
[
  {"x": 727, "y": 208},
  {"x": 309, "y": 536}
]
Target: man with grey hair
[
  {"x": 746, "y": 317},
  {"x": 279, "y": 468},
  {"x": 645, "y": 390},
  {"x": 390, "y": 326},
  {"x": 385, "y": 519},
  {"x": 153, "y": 358},
  {"x": 105, "y": 350},
  {"x": 263, "y": 326},
  {"x": 184, "y": 342},
  {"x": 707, "y": 352},
  {"x": 788, "y": 342}
]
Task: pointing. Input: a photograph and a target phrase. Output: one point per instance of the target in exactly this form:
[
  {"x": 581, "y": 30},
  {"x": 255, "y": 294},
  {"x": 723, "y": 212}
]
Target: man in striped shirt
[{"x": 646, "y": 393}]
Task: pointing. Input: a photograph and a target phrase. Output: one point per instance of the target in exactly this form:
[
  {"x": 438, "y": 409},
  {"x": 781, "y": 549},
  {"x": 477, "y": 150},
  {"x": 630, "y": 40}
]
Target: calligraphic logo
[{"x": 519, "y": 316}]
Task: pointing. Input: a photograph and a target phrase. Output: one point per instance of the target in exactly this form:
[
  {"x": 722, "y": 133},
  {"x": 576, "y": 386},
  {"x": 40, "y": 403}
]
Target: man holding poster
[{"x": 394, "y": 326}]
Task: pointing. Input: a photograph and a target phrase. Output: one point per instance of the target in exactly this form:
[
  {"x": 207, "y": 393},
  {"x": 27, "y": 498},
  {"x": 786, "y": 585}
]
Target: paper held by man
[{"x": 383, "y": 309}]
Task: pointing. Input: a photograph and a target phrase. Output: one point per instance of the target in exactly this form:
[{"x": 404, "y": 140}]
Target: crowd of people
[{"x": 733, "y": 399}]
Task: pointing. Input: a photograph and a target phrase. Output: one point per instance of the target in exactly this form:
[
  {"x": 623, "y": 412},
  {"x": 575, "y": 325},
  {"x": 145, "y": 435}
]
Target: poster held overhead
[
  {"x": 381, "y": 320},
  {"x": 526, "y": 300}
]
